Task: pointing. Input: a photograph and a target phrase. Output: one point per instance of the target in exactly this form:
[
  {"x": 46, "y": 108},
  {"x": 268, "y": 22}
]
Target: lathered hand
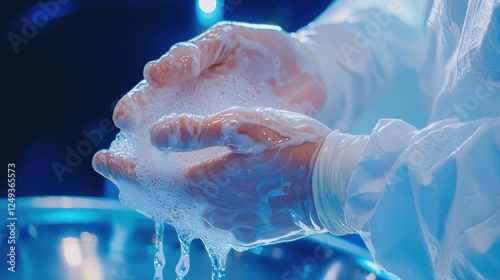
[
  {"x": 260, "y": 192},
  {"x": 265, "y": 52}
]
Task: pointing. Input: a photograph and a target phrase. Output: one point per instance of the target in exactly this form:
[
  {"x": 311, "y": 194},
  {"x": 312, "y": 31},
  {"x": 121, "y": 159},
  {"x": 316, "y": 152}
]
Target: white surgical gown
[{"x": 425, "y": 195}]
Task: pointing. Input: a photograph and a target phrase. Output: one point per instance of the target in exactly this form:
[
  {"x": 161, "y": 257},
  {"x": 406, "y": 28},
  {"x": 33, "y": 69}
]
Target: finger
[
  {"x": 127, "y": 112},
  {"x": 185, "y": 61},
  {"x": 187, "y": 132},
  {"x": 241, "y": 130},
  {"x": 180, "y": 63},
  {"x": 119, "y": 169},
  {"x": 123, "y": 114},
  {"x": 115, "y": 166}
]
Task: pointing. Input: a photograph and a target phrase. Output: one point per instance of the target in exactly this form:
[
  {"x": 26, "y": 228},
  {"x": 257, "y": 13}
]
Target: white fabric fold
[{"x": 332, "y": 170}]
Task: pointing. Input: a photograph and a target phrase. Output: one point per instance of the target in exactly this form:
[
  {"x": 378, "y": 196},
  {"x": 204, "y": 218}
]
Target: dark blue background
[{"x": 66, "y": 78}]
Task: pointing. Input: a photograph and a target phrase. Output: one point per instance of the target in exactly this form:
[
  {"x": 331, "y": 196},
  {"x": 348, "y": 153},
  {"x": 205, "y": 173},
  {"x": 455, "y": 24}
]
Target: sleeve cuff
[{"x": 332, "y": 171}]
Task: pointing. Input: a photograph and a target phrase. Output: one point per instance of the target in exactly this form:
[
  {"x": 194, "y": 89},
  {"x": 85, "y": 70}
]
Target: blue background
[{"x": 58, "y": 86}]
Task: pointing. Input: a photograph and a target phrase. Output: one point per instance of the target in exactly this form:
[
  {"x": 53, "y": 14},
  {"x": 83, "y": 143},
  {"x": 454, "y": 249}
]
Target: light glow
[
  {"x": 208, "y": 12},
  {"x": 72, "y": 251},
  {"x": 207, "y": 6}
]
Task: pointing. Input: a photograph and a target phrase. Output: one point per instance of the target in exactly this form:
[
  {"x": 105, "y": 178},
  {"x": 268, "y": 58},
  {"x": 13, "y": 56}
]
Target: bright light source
[
  {"x": 207, "y": 6},
  {"x": 209, "y": 12}
]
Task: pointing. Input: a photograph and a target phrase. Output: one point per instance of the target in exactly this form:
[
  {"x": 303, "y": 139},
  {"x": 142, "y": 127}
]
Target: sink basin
[{"x": 91, "y": 239}]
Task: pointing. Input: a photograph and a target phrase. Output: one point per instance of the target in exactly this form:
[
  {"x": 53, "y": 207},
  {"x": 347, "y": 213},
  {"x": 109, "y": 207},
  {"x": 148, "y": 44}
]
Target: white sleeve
[
  {"x": 359, "y": 47},
  {"x": 427, "y": 202}
]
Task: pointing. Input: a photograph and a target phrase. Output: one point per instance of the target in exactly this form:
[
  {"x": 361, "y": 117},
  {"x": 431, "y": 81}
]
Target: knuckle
[
  {"x": 223, "y": 24},
  {"x": 222, "y": 28}
]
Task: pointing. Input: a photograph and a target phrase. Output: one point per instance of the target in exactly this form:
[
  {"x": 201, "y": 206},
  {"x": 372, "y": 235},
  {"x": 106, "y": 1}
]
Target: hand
[
  {"x": 266, "y": 52},
  {"x": 260, "y": 192}
]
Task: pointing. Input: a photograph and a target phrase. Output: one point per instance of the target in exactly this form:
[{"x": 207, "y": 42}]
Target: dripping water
[
  {"x": 182, "y": 267},
  {"x": 218, "y": 260},
  {"x": 159, "y": 259}
]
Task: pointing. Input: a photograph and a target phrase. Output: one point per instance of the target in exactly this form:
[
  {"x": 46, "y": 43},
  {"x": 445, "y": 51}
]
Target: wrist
[{"x": 332, "y": 171}]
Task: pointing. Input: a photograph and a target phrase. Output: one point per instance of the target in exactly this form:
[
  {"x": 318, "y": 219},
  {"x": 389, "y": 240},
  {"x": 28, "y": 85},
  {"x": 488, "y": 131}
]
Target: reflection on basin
[{"x": 93, "y": 239}]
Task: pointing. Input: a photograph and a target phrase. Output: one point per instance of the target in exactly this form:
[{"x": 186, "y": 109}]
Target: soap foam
[{"x": 161, "y": 174}]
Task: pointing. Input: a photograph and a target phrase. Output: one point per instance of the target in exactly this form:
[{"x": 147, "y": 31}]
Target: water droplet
[
  {"x": 182, "y": 267},
  {"x": 218, "y": 259},
  {"x": 159, "y": 259}
]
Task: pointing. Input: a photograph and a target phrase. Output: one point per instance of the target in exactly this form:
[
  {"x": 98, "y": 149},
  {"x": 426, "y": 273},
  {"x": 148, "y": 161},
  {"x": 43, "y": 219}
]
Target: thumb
[
  {"x": 185, "y": 61},
  {"x": 241, "y": 130}
]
